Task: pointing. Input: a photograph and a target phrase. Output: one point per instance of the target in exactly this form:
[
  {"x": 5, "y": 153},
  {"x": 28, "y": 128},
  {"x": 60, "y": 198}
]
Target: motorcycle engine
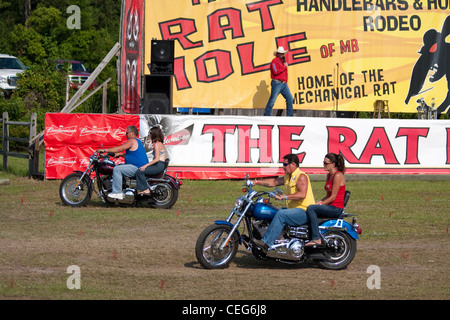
[
  {"x": 128, "y": 196},
  {"x": 107, "y": 182},
  {"x": 286, "y": 249},
  {"x": 301, "y": 232},
  {"x": 260, "y": 228},
  {"x": 291, "y": 247},
  {"x": 296, "y": 249}
]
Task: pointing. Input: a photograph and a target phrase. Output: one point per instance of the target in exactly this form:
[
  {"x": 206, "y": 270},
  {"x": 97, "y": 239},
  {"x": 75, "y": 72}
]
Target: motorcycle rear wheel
[
  {"x": 342, "y": 250},
  {"x": 164, "y": 196},
  {"x": 75, "y": 194},
  {"x": 207, "y": 248}
]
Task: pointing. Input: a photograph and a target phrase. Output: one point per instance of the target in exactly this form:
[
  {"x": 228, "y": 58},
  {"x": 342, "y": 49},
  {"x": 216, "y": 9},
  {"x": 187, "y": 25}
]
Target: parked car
[
  {"x": 78, "y": 74},
  {"x": 10, "y": 67}
]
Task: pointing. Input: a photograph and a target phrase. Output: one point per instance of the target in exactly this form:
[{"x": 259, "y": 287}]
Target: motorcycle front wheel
[
  {"x": 73, "y": 192},
  {"x": 207, "y": 248},
  {"x": 341, "y": 249}
]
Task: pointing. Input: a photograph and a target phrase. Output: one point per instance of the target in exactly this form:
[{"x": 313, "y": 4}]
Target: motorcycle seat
[{"x": 322, "y": 220}]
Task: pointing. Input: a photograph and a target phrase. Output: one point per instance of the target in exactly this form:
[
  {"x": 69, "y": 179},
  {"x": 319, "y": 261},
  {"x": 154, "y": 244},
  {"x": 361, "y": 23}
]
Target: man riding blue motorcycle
[
  {"x": 282, "y": 235},
  {"x": 298, "y": 197}
]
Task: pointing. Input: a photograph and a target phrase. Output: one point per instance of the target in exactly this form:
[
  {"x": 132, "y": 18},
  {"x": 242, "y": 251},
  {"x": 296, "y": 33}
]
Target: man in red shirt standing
[{"x": 279, "y": 75}]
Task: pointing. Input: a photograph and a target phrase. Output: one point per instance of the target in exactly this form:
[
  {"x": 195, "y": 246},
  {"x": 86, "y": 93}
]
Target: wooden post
[
  {"x": 33, "y": 152},
  {"x": 5, "y": 140},
  {"x": 67, "y": 89},
  {"x": 104, "y": 98},
  {"x": 33, "y": 123}
]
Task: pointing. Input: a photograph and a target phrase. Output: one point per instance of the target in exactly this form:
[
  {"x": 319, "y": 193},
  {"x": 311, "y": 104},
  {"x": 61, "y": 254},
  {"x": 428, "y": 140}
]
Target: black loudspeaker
[
  {"x": 157, "y": 94},
  {"x": 162, "y": 56}
]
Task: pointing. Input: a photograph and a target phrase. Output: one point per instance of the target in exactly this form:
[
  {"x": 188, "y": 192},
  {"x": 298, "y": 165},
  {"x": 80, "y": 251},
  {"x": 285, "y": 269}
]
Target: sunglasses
[
  {"x": 325, "y": 163},
  {"x": 286, "y": 164}
]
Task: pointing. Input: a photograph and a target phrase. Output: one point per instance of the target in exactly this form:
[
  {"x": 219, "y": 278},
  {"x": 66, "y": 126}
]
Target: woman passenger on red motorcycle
[
  {"x": 154, "y": 167},
  {"x": 332, "y": 204}
]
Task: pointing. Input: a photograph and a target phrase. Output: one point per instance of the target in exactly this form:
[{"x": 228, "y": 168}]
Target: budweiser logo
[
  {"x": 61, "y": 161},
  {"x": 94, "y": 130},
  {"x": 119, "y": 133},
  {"x": 68, "y": 131},
  {"x": 179, "y": 138},
  {"x": 84, "y": 162}
]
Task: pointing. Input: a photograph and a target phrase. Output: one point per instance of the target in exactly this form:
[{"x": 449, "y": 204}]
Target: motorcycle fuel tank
[
  {"x": 264, "y": 211},
  {"x": 106, "y": 167}
]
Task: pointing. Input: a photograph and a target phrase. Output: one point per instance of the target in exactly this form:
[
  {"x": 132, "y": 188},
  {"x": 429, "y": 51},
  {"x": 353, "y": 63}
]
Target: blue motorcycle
[{"x": 217, "y": 245}]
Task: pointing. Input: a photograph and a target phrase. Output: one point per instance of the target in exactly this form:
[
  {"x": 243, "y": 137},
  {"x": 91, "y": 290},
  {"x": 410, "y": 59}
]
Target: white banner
[{"x": 208, "y": 147}]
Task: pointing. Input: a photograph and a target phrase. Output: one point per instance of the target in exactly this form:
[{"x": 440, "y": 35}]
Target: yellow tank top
[{"x": 291, "y": 187}]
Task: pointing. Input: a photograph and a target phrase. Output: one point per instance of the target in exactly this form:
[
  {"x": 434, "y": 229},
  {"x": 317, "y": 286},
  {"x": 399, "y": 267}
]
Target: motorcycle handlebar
[
  {"x": 104, "y": 154},
  {"x": 249, "y": 183}
]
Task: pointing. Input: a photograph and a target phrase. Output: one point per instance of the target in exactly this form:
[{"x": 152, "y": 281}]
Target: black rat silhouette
[{"x": 435, "y": 56}]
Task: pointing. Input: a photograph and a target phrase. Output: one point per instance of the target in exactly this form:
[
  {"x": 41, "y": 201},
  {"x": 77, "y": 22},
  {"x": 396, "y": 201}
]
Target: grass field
[{"x": 143, "y": 253}]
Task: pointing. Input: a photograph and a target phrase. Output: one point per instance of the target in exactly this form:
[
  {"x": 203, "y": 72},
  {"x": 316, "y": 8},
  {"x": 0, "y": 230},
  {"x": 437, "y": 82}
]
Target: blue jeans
[
  {"x": 127, "y": 170},
  {"x": 321, "y": 211},
  {"x": 284, "y": 217},
  {"x": 277, "y": 88},
  {"x": 153, "y": 170}
]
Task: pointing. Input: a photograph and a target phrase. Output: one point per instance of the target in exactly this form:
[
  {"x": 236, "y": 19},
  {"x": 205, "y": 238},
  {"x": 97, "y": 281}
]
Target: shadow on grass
[{"x": 246, "y": 260}]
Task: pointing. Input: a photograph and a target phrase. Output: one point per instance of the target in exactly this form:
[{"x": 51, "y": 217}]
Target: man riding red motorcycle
[
  {"x": 135, "y": 157},
  {"x": 105, "y": 178}
]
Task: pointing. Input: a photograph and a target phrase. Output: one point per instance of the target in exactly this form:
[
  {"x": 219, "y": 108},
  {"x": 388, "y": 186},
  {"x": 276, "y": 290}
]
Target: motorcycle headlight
[{"x": 239, "y": 202}]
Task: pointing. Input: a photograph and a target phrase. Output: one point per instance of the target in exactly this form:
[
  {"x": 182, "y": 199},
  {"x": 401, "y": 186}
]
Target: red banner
[
  {"x": 70, "y": 139},
  {"x": 133, "y": 18}
]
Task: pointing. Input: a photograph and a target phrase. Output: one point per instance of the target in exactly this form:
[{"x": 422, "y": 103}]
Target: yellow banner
[{"x": 343, "y": 54}]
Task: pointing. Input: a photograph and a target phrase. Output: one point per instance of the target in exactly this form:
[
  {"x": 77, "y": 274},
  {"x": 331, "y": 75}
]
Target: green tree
[
  {"x": 37, "y": 33},
  {"x": 41, "y": 89},
  {"x": 27, "y": 44}
]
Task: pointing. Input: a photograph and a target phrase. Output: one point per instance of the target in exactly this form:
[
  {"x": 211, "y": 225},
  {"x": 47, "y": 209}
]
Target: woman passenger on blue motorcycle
[
  {"x": 299, "y": 195},
  {"x": 332, "y": 204},
  {"x": 154, "y": 167}
]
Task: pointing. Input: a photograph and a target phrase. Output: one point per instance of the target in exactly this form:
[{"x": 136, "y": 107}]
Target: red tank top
[{"x": 339, "y": 201}]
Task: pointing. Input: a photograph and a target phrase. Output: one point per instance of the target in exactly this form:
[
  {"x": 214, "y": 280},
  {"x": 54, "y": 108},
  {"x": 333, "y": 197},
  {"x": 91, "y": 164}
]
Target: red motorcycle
[{"x": 76, "y": 189}]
